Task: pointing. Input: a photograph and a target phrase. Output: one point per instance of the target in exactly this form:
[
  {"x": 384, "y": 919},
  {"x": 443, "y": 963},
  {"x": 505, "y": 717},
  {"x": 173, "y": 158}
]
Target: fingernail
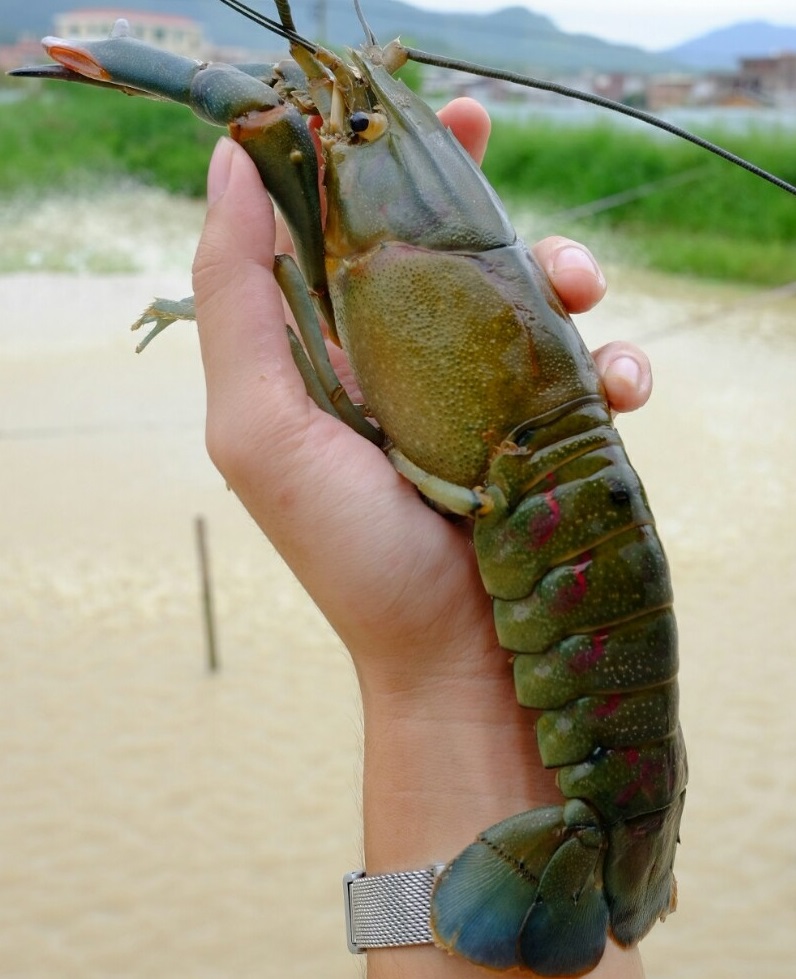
[
  {"x": 627, "y": 369},
  {"x": 219, "y": 170},
  {"x": 572, "y": 259}
]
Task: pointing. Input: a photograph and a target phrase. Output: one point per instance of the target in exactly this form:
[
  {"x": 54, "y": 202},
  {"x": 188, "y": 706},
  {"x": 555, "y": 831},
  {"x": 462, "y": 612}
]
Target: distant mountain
[
  {"x": 510, "y": 38},
  {"x": 723, "y": 48}
]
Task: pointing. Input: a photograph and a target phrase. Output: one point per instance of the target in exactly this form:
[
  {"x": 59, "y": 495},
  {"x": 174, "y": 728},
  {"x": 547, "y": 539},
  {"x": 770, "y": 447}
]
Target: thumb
[
  {"x": 239, "y": 310},
  {"x": 232, "y": 271}
]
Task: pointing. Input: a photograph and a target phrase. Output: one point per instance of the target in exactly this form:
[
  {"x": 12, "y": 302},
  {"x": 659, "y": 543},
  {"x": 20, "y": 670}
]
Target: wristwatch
[{"x": 388, "y": 910}]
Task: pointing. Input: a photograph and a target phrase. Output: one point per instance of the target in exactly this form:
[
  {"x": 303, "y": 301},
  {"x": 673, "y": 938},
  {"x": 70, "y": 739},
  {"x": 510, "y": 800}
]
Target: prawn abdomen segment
[
  {"x": 582, "y": 598},
  {"x": 528, "y": 893}
]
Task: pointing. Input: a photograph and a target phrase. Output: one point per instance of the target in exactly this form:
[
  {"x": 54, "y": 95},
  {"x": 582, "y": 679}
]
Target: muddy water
[{"x": 160, "y": 822}]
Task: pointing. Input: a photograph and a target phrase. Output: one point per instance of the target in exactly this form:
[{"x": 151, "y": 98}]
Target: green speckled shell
[{"x": 582, "y": 598}]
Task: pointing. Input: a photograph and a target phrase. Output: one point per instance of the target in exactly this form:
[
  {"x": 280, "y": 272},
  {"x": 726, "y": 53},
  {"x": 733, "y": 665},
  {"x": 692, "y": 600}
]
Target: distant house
[
  {"x": 182, "y": 35},
  {"x": 618, "y": 86},
  {"x": 772, "y": 78},
  {"x": 668, "y": 91},
  {"x": 26, "y": 51}
]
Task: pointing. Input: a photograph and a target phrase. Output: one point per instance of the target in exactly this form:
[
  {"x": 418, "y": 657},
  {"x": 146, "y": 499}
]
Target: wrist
[{"x": 442, "y": 763}]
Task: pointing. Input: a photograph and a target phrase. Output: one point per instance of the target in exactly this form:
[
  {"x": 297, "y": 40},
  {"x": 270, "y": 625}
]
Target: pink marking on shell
[
  {"x": 583, "y": 661},
  {"x": 572, "y": 592}
]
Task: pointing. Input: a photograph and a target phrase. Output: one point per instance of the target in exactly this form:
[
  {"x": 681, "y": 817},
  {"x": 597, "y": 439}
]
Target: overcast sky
[{"x": 662, "y": 25}]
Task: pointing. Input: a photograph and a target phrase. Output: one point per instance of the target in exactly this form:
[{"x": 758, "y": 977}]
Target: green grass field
[
  {"x": 721, "y": 223},
  {"x": 69, "y": 135}
]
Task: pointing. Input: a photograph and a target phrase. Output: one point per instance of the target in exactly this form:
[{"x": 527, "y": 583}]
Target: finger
[
  {"x": 470, "y": 124},
  {"x": 572, "y": 269},
  {"x": 626, "y": 374},
  {"x": 239, "y": 308}
]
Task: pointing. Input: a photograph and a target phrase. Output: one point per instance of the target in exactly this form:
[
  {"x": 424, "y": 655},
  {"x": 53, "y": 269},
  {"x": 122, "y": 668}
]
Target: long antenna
[
  {"x": 371, "y": 37},
  {"x": 423, "y": 57},
  {"x": 285, "y": 30}
]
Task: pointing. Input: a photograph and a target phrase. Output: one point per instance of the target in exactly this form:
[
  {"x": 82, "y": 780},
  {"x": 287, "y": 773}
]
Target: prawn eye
[{"x": 368, "y": 125}]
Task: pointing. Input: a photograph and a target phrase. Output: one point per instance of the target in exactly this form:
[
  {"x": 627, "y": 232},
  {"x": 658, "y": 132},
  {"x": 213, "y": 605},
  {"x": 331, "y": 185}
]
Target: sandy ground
[{"x": 158, "y": 822}]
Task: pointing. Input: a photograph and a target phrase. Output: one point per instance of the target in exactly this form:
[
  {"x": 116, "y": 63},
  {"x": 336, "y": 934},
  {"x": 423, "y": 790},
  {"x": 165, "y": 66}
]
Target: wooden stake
[{"x": 207, "y": 594}]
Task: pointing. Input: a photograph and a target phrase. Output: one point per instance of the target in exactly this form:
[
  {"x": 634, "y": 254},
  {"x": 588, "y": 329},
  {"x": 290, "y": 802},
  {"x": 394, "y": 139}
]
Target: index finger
[{"x": 469, "y": 122}]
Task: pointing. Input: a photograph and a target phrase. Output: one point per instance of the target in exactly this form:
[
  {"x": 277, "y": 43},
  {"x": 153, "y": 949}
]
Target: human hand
[
  {"x": 317, "y": 490},
  {"x": 447, "y": 748}
]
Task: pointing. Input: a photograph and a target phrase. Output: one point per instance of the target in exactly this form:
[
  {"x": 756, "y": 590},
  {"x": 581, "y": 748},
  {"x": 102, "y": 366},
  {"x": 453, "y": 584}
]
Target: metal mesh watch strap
[{"x": 388, "y": 910}]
